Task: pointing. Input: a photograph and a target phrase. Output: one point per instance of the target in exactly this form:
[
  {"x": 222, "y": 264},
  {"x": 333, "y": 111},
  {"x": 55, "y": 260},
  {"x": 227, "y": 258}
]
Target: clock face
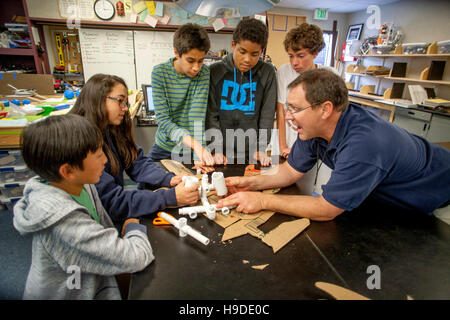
[{"x": 104, "y": 9}]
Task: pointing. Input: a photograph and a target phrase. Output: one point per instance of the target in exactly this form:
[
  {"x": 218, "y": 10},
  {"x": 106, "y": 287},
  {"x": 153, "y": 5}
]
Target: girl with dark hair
[{"x": 104, "y": 102}]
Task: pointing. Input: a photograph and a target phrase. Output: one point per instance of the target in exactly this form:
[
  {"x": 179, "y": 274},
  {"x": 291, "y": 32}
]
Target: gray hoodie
[
  {"x": 73, "y": 256},
  {"x": 242, "y": 100}
]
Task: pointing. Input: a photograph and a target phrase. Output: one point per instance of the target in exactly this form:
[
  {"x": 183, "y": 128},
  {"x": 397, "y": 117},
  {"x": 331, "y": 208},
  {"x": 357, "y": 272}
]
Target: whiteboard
[
  {"x": 151, "y": 48},
  {"x": 109, "y": 52},
  {"x": 154, "y": 47}
]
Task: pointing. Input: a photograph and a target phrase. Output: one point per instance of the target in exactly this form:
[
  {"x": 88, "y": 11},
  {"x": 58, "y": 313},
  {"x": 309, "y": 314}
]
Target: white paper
[
  {"x": 418, "y": 93},
  {"x": 86, "y": 9},
  {"x": 165, "y": 19},
  {"x": 133, "y": 18},
  {"x": 151, "y": 21},
  {"x": 218, "y": 24},
  {"x": 67, "y": 8},
  {"x": 261, "y": 18}
]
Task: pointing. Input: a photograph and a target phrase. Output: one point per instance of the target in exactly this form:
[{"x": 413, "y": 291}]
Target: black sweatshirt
[{"x": 234, "y": 103}]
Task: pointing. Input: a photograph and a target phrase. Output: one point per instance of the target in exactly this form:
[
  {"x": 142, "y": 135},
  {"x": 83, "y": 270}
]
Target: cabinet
[
  {"x": 33, "y": 59},
  {"x": 13, "y": 176},
  {"x": 414, "y": 121},
  {"x": 439, "y": 130}
]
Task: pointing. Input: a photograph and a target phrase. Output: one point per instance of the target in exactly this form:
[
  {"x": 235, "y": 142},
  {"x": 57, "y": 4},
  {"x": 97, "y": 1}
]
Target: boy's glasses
[
  {"x": 292, "y": 111},
  {"x": 123, "y": 103}
]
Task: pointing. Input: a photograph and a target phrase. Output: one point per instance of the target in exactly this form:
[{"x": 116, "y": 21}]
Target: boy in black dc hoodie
[{"x": 243, "y": 95}]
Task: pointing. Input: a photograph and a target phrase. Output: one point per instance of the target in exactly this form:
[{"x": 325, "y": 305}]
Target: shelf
[
  {"x": 16, "y": 51},
  {"x": 367, "y": 75},
  {"x": 439, "y": 82},
  {"x": 438, "y": 55}
]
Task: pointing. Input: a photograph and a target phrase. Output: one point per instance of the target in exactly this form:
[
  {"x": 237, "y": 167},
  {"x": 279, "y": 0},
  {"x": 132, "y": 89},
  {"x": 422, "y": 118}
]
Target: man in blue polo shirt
[{"x": 369, "y": 157}]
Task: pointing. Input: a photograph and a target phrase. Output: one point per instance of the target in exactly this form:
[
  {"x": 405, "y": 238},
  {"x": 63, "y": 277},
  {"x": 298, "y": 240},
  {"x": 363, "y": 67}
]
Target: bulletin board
[{"x": 279, "y": 26}]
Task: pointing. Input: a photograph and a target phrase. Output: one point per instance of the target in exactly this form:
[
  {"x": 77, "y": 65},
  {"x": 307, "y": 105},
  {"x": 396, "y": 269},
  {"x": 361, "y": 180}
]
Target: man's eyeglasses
[
  {"x": 123, "y": 103},
  {"x": 292, "y": 111}
]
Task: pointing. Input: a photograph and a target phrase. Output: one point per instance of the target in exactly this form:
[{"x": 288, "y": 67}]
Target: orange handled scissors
[{"x": 160, "y": 221}]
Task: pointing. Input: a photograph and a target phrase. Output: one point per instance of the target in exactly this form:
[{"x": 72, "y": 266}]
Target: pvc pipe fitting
[{"x": 218, "y": 180}]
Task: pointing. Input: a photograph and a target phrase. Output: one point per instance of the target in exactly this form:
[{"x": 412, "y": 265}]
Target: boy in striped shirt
[{"x": 180, "y": 95}]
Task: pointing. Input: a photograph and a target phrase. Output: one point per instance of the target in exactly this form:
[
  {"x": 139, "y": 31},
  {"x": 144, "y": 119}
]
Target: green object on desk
[{"x": 47, "y": 110}]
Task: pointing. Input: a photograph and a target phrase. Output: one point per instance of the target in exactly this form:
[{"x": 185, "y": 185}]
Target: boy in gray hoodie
[
  {"x": 76, "y": 249},
  {"x": 243, "y": 95}
]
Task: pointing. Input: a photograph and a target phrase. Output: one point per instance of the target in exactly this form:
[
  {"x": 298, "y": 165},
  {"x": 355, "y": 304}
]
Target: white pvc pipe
[
  {"x": 218, "y": 182},
  {"x": 184, "y": 228}
]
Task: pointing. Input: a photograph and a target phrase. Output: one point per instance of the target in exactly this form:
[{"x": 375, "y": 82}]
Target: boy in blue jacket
[{"x": 76, "y": 249}]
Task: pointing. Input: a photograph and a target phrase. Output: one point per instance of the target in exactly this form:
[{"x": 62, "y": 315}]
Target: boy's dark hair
[
  {"x": 49, "y": 143},
  {"x": 252, "y": 30},
  {"x": 191, "y": 36},
  {"x": 305, "y": 36},
  {"x": 322, "y": 85}
]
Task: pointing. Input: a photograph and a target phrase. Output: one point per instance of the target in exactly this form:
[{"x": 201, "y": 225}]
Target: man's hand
[
  {"x": 186, "y": 195},
  {"x": 175, "y": 181},
  {"x": 246, "y": 202},
  {"x": 237, "y": 184},
  {"x": 263, "y": 158}
]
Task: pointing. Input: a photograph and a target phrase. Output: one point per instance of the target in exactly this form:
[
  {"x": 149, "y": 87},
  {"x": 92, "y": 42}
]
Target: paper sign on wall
[
  {"x": 165, "y": 19},
  {"x": 151, "y": 21},
  {"x": 128, "y": 5},
  {"x": 218, "y": 24},
  {"x": 139, "y": 7},
  {"x": 150, "y": 6},
  {"x": 159, "y": 10}
]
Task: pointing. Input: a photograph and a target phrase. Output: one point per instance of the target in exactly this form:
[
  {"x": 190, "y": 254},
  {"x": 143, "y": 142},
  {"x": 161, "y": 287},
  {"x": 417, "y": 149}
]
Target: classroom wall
[
  {"x": 421, "y": 21},
  {"x": 49, "y": 9},
  {"x": 341, "y": 18}
]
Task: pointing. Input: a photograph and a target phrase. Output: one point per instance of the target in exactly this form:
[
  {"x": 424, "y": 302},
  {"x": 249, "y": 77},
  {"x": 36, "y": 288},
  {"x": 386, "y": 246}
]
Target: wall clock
[{"x": 104, "y": 9}]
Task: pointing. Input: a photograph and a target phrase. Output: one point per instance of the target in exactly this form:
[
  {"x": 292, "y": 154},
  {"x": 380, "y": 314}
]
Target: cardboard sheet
[
  {"x": 339, "y": 293},
  {"x": 285, "y": 232}
]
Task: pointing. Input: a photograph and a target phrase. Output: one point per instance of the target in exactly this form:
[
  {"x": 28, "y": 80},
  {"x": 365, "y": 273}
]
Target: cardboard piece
[
  {"x": 42, "y": 83},
  {"x": 338, "y": 292},
  {"x": 285, "y": 232},
  {"x": 176, "y": 167},
  {"x": 247, "y": 226}
]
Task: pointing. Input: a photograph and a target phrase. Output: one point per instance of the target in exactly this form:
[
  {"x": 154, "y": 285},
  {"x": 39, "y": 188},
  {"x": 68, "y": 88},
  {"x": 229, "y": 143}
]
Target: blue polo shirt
[{"x": 372, "y": 157}]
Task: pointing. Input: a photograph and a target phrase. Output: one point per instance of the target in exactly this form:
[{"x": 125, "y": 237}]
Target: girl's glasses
[{"x": 123, "y": 103}]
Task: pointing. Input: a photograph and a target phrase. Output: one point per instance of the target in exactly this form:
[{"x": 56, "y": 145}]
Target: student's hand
[
  {"x": 284, "y": 152},
  {"x": 186, "y": 195},
  {"x": 204, "y": 155},
  {"x": 220, "y": 159},
  {"x": 175, "y": 180},
  {"x": 237, "y": 184},
  {"x": 131, "y": 220},
  {"x": 263, "y": 158},
  {"x": 246, "y": 202},
  {"x": 203, "y": 168}
]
